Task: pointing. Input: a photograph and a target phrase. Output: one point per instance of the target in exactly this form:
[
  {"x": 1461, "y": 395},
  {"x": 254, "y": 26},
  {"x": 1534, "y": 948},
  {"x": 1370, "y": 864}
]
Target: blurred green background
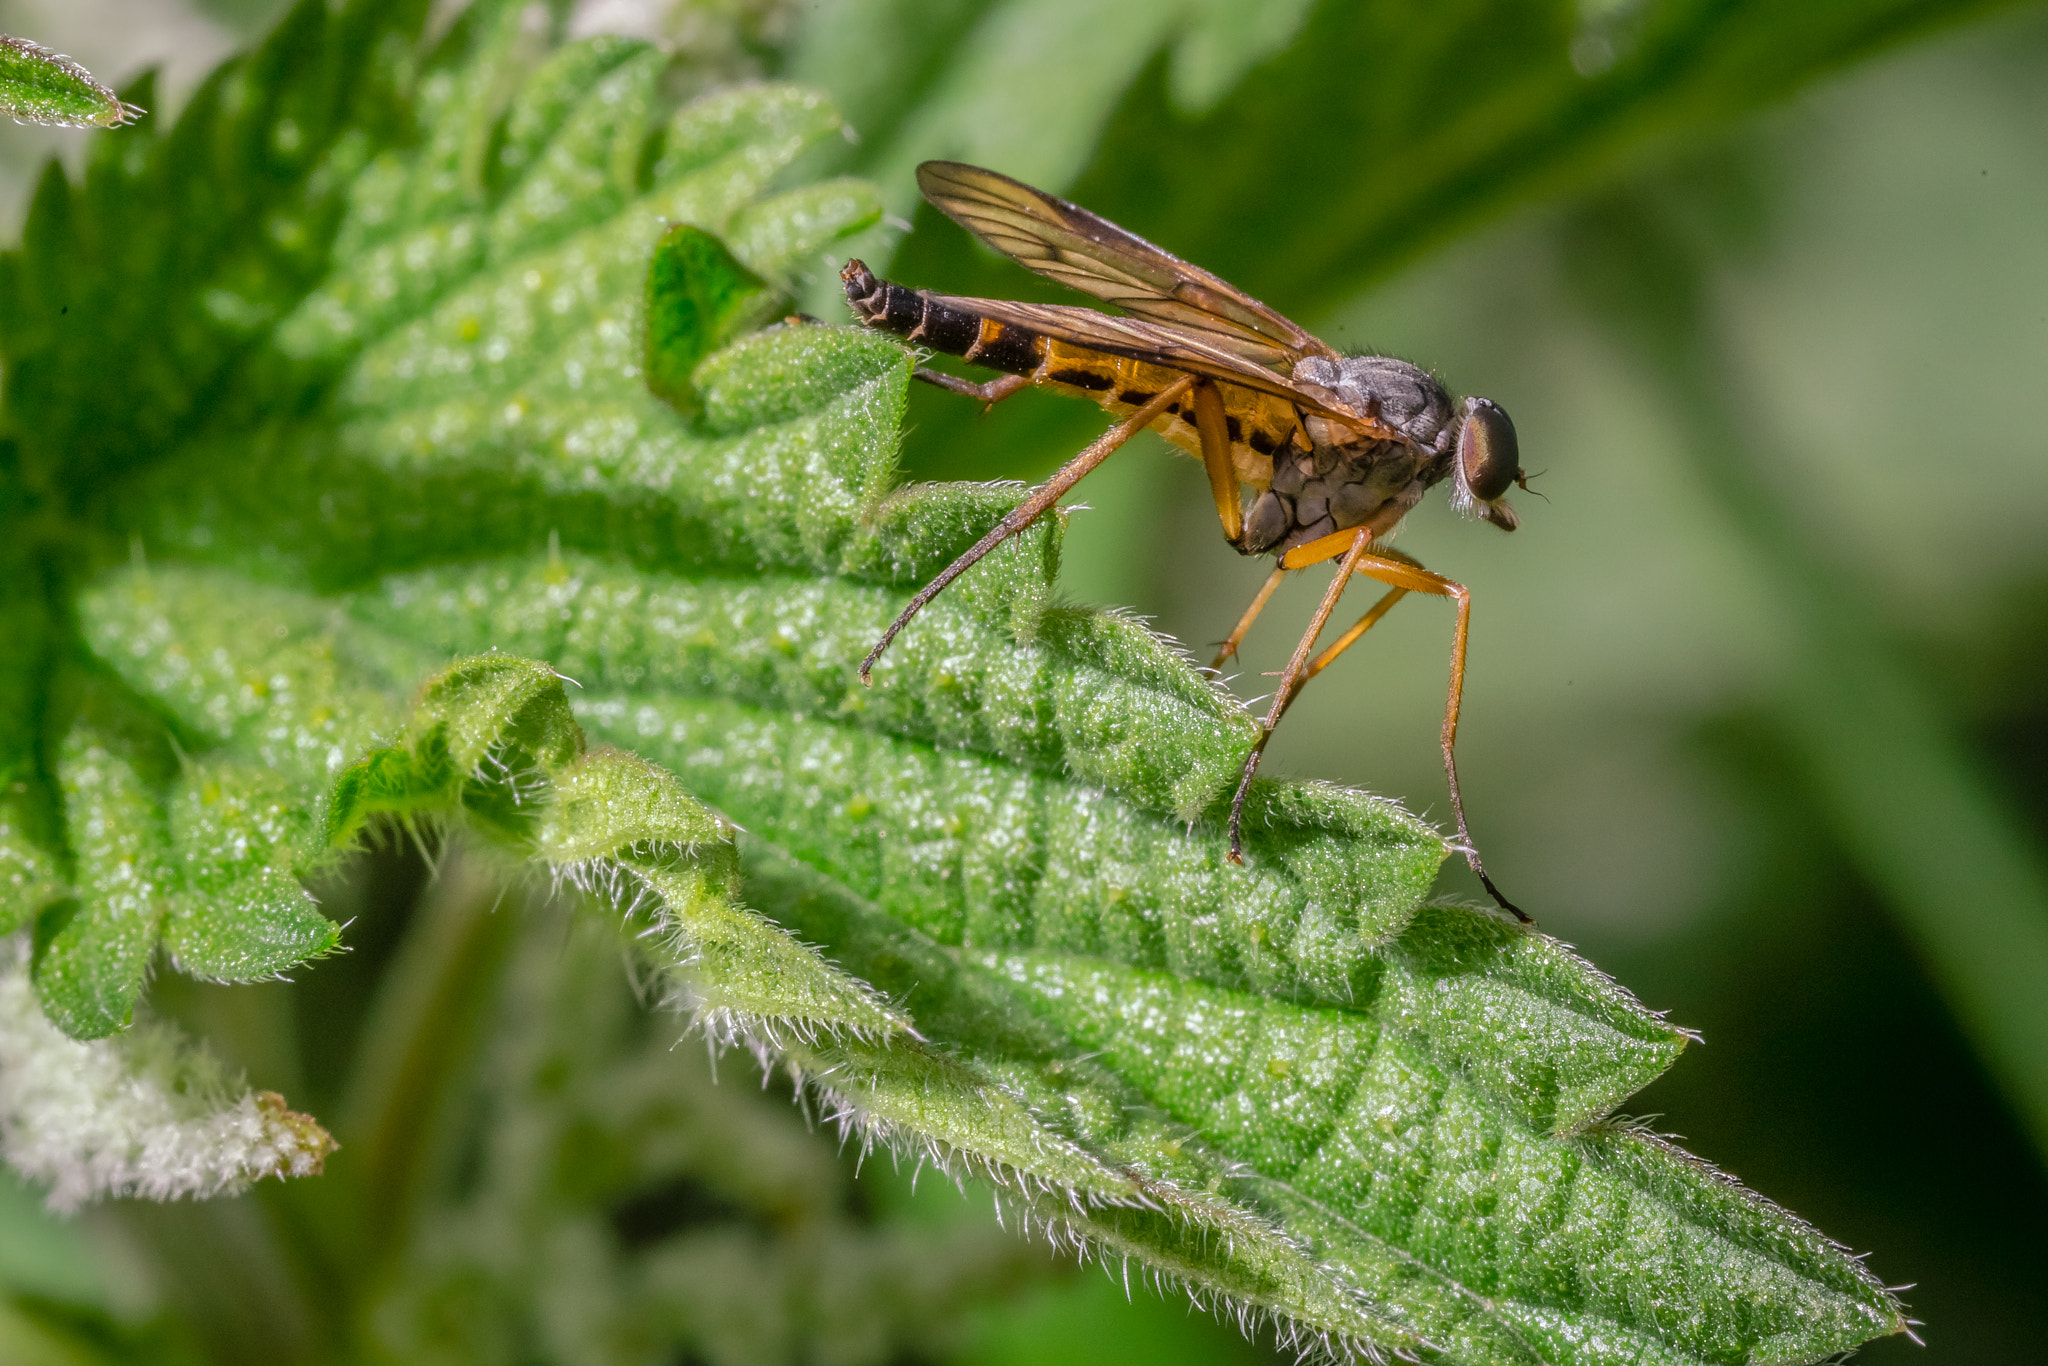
[{"x": 1758, "y": 710}]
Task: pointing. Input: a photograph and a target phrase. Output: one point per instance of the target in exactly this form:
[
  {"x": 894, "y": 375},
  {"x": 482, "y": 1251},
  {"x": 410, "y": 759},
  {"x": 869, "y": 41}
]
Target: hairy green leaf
[
  {"x": 698, "y": 295},
  {"x": 39, "y": 86},
  {"x": 983, "y": 906},
  {"x": 1290, "y": 1061}
]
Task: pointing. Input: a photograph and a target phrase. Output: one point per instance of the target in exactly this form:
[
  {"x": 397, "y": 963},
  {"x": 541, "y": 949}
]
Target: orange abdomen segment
[{"x": 1259, "y": 424}]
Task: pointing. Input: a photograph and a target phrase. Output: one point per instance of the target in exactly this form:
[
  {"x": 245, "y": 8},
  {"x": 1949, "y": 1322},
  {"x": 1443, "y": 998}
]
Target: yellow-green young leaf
[{"x": 41, "y": 86}]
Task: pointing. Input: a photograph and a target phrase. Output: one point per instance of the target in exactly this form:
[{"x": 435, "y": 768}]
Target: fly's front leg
[
  {"x": 991, "y": 393},
  {"x": 1403, "y": 576},
  {"x": 1244, "y": 623}
]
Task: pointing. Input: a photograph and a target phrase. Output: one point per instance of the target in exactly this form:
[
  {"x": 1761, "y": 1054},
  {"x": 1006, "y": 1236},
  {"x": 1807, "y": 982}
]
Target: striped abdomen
[
  {"x": 1259, "y": 424},
  {"x": 917, "y": 316}
]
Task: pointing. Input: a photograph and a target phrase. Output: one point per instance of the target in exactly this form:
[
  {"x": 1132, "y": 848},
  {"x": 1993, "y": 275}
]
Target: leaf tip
[{"x": 38, "y": 86}]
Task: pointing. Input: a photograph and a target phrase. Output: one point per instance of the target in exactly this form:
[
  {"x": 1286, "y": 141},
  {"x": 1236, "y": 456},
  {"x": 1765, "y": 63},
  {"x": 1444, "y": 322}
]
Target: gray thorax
[{"x": 1403, "y": 396}]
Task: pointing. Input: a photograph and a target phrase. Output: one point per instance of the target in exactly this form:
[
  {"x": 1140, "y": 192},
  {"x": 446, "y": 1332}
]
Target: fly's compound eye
[{"x": 1489, "y": 457}]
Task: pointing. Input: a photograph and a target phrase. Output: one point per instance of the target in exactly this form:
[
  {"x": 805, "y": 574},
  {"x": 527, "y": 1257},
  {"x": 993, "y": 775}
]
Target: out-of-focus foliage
[
  {"x": 1976, "y": 897},
  {"x": 425, "y": 397},
  {"x": 1355, "y": 136}
]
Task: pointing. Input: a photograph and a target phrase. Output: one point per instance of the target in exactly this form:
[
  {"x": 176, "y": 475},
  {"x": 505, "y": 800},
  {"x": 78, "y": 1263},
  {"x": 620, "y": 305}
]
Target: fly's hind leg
[
  {"x": 1032, "y": 508},
  {"x": 991, "y": 393}
]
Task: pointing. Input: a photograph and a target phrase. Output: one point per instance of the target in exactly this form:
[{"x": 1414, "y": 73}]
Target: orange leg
[
  {"x": 1404, "y": 576},
  {"x": 991, "y": 393},
  {"x": 1213, "y": 425},
  {"x": 1244, "y": 624},
  {"x": 1032, "y": 508},
  {"x": 1289, "y": 680},
  {"x": 1350, "y": 637}
]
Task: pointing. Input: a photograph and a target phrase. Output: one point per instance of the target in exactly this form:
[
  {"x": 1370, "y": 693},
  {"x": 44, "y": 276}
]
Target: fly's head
[
  {"x": 1474, "y": 437},
  {"x": 1488, "y": 464}
]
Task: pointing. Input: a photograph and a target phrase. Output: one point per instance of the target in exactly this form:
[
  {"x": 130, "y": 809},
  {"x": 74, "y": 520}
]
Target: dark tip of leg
[
  {"x": 1244, "y": 787},
  {"x": 1510, "y": 907}
]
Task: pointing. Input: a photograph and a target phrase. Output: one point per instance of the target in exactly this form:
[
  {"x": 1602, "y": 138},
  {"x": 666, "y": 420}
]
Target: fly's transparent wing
[{"x": 1065, "y": 242}]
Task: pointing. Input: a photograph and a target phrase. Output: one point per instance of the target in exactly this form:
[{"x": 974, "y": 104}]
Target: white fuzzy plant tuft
[{"x": 146, "y": 1112}]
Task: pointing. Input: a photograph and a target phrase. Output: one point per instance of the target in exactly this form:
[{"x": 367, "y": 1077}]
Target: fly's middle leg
[{"x": 991, "y": 393}]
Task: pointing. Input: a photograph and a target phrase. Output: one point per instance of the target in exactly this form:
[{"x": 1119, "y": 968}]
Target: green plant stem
[
  {"x": 228, "y": 1272},
  {"x": 416, "y": 1048}
]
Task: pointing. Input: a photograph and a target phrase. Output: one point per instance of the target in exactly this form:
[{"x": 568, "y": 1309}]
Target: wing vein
[{"x": 1084, "y": 252}]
